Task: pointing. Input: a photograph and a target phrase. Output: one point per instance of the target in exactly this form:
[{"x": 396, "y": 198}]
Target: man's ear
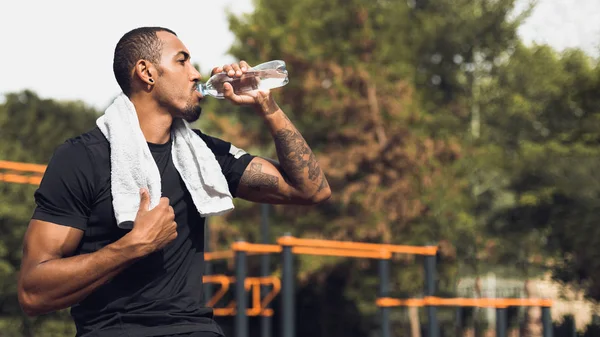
[{"x": 145, "y": 71}]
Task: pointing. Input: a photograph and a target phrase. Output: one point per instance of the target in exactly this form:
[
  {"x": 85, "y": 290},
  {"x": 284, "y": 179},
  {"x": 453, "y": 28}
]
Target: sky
[
  {"x": 564, "y": 24},
  {"x": 62, "y": 49}
]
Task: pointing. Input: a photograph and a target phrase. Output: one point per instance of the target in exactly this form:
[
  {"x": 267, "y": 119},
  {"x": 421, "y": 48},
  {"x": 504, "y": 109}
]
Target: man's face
[{"x": 175, "y": 88}]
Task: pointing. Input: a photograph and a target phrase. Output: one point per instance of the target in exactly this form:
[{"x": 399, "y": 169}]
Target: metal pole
[
  {"x": 433, "y": 328},
  {"x": 459, "y": 322},
  {"x": 547, "y": 322},
  {"x": 501, "y": 322},
  {"x": 265, "y": 321},
  {"x": 208, "y": 288},
  {"x": 384, "y": 281},
  {"x": 287, "y": 300},
  {"x": 573, "y": 327},
  {"x": 241, "y": 320}
]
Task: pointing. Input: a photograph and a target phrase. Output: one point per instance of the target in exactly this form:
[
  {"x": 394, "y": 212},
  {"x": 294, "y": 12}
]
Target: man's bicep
[
  {"x": 264, "y": 181},
  {"x": 45, "y": 241}
]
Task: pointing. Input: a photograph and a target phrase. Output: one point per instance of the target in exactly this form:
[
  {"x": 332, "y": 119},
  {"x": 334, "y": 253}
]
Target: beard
[{"x": 191, "y": 112}]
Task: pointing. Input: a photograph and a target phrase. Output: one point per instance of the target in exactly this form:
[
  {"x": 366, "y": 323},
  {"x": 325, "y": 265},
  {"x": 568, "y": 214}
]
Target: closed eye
[{"x": 182, "y": 57}]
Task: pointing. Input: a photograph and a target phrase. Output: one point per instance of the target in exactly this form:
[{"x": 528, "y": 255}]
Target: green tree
[
  {"x": 542, "y": 118},
  {"x": 391, "y": 140}
]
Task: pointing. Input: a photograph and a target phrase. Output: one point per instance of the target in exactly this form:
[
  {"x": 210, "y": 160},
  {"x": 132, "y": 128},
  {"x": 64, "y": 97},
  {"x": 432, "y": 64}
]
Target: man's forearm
[
  {"x": 295, "y": 156},
  {"x": 59, "y": 283}
]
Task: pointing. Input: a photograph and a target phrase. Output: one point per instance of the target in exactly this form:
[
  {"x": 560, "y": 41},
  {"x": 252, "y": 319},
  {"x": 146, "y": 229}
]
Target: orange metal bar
[
  {"x": 224, "y": 281},
  {"x": 381, "y": 254},
  {"x": 223, "y": 311},
  {"x": 256, "y": 297},
  {"x": 219, "y": 255},
  {"x": 255, "y": 247},
  {"x": 464, "y": 302},
  {"x": 19, "y": 179},
  {"x": 257, "y": 308},
  {"x": 527, "y": 302},
  {"x": 286, "y": 240},
  {"x": 276, "y": 283},
  {"x": 417, "y": 250},
  {"x": 267, "y": 312},
  {"x": 251, "y": 283},
  {"x": 397, "y": 302},
  {"x": 23, "y": 167},
  {"x": 231, "y": 312}
]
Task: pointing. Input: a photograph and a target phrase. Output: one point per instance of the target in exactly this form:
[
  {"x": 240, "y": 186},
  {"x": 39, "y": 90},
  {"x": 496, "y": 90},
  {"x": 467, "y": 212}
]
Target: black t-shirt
[{"x": 160, "y": 294}]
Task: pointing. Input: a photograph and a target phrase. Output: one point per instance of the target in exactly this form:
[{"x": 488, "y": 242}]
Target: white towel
[{"x": 132, "y": 165}]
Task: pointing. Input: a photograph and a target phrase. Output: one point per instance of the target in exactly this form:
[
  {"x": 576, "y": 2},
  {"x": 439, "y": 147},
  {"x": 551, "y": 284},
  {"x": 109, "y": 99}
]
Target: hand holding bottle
[
  {"x": 243, "y": 84},
  {"x": 225, "y": 77}
]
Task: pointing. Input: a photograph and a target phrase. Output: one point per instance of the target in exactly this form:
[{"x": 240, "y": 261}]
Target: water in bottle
[{"x": 268, "y": 75}]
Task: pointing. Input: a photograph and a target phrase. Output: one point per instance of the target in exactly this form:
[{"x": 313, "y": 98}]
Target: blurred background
[{"x": 472, "y": 125}]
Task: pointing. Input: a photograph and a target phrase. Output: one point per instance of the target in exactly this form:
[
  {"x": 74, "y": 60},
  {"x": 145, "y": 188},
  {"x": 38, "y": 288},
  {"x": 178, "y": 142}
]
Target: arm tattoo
[
  {"x": 295, "y": 155},
  {"x": 255, "y": 179},
  {"x": 324, "y": 184}
]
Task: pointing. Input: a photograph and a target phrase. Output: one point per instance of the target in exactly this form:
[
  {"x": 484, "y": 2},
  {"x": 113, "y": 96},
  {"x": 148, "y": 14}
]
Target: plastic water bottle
[{"x": 268, "y": 75}]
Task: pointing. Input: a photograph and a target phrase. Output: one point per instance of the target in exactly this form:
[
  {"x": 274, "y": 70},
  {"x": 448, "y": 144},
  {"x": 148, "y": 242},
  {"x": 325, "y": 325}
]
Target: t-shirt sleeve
[
  {"x": 65, "y": 194},
  {"x": 233, "y": 160}
]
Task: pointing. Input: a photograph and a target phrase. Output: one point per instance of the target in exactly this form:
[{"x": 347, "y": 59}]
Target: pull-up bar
[
  {"x": 20, "y": 179},
  {"x": 13, "y": 172},
  {"x": 289, "y": 245},
  {"x": 500, "y": 304},
  {"x": 22, "y": 167},
  {"x": 384, "y": 254},
  {"x": 401, "y": 249}
]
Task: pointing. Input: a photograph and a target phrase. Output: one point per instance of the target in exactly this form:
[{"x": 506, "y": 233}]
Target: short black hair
[{"x": 138, "y": 44}]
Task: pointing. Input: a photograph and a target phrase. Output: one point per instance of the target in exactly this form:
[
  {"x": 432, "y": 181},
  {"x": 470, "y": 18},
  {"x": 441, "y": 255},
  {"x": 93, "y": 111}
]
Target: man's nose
[{"x": 196, "y": 76}]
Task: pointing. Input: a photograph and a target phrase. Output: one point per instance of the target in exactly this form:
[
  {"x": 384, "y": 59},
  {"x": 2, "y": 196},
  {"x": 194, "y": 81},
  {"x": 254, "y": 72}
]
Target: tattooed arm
[{"x": 297, "y": 178}]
